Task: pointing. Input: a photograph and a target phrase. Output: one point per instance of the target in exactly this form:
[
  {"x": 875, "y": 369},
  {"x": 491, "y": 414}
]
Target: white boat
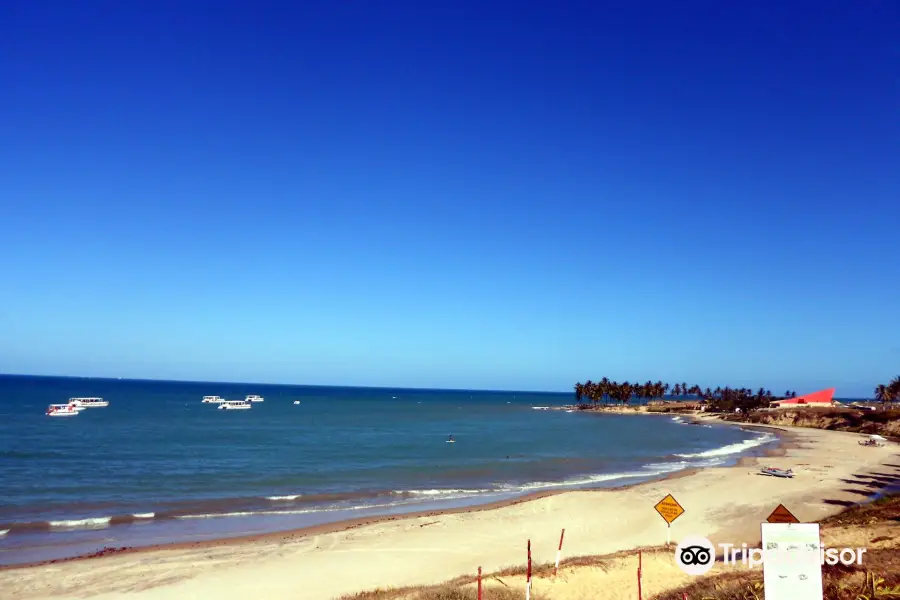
[
  {"x": 89, "y": 402},
  {"x": 296, "y": 402},
  {"x": 212, "y": 400},
  {"x": 62, "y": 410},
  {"x": 254, "y": 398},
  {"x": 235, "y": 405}
]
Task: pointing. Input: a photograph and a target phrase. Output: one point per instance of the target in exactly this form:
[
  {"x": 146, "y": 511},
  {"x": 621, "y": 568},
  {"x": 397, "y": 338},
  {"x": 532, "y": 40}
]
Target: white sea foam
[
  {"x": 587, "y": 480},
  {"x": 667, "y": 467},
  {"x": 3, "y": 532},
  {"x": 149, "y": 515},
  {"x": 282, "y": 498},
  {"x": 444, "y": 492},
  {"x": 263, "y": 513},
  {"x": 541, "y": 407},
  {"x": 248, "y": 513},
  {"x": 93, "y": 523},
  {"x": 732, "y": 448}
]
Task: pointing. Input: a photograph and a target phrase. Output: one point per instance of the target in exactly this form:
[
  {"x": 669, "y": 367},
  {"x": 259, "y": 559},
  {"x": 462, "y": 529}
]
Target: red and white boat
[{"x": 62, "y": 410}]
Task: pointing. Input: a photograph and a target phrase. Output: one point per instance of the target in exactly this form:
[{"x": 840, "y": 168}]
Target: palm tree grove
[{"x": 720, "y": 399}]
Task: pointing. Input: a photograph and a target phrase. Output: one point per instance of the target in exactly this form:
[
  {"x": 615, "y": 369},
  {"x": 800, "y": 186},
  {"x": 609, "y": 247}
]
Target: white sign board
[{"x": 792, "y": 561}]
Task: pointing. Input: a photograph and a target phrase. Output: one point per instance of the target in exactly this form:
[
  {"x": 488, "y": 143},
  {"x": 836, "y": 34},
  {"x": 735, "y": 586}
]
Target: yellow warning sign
[
  {"x": 669, "y": 509},
  {"x": 782, "y": 515}
]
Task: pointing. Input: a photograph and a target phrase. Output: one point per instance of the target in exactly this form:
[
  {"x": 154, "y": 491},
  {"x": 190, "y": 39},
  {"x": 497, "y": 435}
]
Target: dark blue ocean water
[{"x": 158, "y": 466}]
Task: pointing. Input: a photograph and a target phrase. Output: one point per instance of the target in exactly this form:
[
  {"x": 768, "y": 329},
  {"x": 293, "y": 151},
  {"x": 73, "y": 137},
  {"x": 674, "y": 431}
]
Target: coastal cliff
[{"x": 886, "y": 423}]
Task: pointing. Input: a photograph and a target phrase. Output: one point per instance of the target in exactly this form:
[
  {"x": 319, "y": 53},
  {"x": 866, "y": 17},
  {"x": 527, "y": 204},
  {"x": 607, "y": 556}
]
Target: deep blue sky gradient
[{"x": 452, "y": 194}]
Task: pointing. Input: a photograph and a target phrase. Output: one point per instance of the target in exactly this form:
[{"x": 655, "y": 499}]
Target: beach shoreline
[
  {"x": 348, "y": 524},
  {"x": 777, "y": 447},
  {"x": 434, "y": 546}
]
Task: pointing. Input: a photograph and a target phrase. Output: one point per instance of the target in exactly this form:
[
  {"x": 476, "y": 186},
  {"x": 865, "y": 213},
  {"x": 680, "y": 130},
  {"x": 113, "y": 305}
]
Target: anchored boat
[
  {"x": 89, "y": 402},
  {"x": 235, "y": 405},
  {"x": 62, "y": 410}
]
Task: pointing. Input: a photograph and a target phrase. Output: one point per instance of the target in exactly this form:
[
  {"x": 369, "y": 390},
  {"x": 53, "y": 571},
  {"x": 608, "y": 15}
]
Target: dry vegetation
[
  {"x": 875, "y": 526},
  {"x": 883, "y": 422}
]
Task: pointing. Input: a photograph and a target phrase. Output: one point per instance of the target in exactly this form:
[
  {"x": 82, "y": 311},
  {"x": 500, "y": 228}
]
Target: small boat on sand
[
  {"x": 776, "y": 472},
  {"x": 874, "y": 440}
]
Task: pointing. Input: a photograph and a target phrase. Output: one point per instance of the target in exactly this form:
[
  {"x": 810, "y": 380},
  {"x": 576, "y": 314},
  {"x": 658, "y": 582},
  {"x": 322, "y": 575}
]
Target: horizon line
[
  {"x": 318, "y": 385},
  {"x": 361, "y": 387}
]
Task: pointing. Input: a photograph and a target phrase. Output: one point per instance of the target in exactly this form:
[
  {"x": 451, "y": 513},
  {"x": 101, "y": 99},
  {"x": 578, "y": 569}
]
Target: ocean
[{"x": 159, "y": 466}]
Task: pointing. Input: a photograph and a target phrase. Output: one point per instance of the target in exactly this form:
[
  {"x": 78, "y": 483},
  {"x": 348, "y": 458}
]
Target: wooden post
[
  {"x": 528, "y": 575},
  {"x": 640, "y": 565},
  {"x": 479, "y": 583},
  {"x": 668, "y": 534},
  {"x": 559, "y": 551}
]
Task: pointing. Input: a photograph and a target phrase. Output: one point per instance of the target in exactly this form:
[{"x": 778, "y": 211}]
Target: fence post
[
  {"x": 528, "y": 575},
  {"x": 640, "y": 567},
  {"x": 559, "y": 551},
  {"x": 479, "y": 583}
]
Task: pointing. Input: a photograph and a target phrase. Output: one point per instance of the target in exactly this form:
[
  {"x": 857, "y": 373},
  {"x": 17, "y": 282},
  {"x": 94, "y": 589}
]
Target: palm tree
[
  {"x": 894, "y": 388},
  {"x": 579, "y": 393},
  {"x": 883, "y": 394},
  {"x": 676, "y": 391},
  {"x": 604, "y": 389},
  {"x": 625, "y": 392}
]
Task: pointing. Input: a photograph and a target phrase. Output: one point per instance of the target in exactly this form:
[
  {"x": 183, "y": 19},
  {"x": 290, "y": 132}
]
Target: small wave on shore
[
  {"x": 444, "y": 492},
  {"x": 287, "y": 498},
  {"x": 92, "y": 523},
  {"x": 732, "y": 448},
  {"x": 3, "y": 532},
  {"x": 146, "y": 515}
]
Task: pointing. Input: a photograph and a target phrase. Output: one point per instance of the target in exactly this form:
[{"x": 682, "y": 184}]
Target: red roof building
[{"x": 821, "y": 398}]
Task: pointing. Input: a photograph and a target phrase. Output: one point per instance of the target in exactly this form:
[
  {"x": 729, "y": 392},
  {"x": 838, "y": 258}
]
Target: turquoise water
[{"x": 159, "y": 466}]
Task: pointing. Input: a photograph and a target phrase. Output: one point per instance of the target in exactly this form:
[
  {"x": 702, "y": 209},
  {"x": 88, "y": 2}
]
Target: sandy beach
[{"x": 725, "y": 504}]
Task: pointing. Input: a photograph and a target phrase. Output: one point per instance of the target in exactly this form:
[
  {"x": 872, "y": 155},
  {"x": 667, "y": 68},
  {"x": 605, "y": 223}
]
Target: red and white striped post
[
  {"x": 559, "y": 551},
  {"x": 528, "y": 575},
  {"x": 640, "y": 574},
  {"x": 479, "y": 583}
]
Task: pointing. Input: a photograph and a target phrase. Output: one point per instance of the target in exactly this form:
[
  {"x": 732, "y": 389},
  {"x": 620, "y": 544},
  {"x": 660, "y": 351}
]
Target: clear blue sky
[{"x": 452, "y": 194}]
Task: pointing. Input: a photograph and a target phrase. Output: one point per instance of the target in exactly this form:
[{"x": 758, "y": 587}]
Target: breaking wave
[{"x": 732, "y": 448}]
